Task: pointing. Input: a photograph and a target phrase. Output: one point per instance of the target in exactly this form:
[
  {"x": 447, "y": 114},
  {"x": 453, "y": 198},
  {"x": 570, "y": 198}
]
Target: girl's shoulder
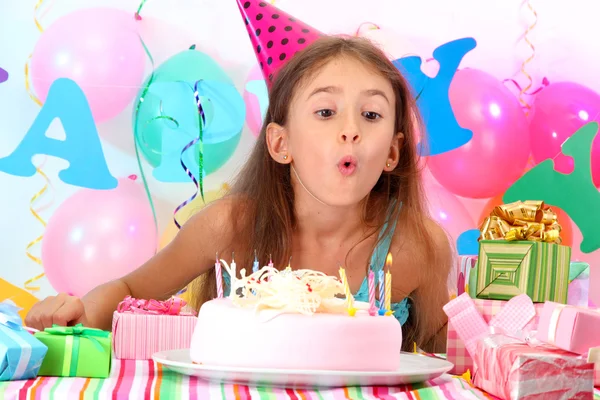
[{"x": 419, "y": 251}]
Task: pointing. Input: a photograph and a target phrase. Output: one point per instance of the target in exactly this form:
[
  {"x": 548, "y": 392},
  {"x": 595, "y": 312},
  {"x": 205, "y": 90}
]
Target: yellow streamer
[
  {"x": 28, "y": 284},
  {"x": 528, "y": 60}
]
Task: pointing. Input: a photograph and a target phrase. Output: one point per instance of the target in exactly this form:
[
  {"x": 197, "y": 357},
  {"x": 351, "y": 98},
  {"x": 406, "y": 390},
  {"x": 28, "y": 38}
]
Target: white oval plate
[{"x": 414, "y": 368}]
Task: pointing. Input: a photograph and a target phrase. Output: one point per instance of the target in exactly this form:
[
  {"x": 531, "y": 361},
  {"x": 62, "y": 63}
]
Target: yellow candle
[
  {"x": 388, "y": 291},
  {"x": 349, "y": 297}
]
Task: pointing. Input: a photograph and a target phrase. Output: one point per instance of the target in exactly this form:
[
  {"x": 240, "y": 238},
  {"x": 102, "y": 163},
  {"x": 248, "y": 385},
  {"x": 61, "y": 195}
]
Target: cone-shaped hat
[{"x": 276, "y": 36}]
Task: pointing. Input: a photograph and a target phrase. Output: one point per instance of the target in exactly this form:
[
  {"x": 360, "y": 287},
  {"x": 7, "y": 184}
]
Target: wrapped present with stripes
[
  {"x": 21, "y": 354},
  {"x": 143, "y": 327},
  {"x": 456, "y": 351},
  {"x": 76, "y": 351},
  {"x": 520, "y": 253},
  {"x": 507, "y": 362}
]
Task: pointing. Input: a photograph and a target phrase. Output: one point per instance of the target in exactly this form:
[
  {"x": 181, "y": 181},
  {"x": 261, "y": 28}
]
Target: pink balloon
[
  {"x": 558, "y": 111},
  {"x": 448, "y": 211},
  {"x": 254, "y": 117},
  {"x": 98, "y": 48},
  {"x": 497, "y": 155},
  {"x": 98, "y": 235}
]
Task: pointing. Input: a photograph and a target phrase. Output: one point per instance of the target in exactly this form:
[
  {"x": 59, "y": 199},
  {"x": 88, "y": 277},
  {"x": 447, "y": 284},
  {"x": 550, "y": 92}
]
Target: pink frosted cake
[{"x": 293, "y": 320}]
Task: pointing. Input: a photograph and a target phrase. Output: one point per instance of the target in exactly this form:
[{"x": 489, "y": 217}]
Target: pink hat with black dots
[{"x": 276, "y": 36}]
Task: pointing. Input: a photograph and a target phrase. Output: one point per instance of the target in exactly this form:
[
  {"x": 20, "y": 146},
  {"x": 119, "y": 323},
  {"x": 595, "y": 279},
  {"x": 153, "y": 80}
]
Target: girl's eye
[
  {"x": 325, "y": 113},
  {"x": 370, "y": 115}
]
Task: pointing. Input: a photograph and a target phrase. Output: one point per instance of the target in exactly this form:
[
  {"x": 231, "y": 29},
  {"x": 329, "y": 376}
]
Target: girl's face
[{"x": 340, "y": 133}]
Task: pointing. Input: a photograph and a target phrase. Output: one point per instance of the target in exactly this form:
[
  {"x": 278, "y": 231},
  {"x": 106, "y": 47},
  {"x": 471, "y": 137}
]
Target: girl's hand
[{"x": 62, "y": 310}]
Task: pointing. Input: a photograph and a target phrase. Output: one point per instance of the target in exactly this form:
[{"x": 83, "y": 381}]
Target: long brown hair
[{"x": 264, "y": 222}]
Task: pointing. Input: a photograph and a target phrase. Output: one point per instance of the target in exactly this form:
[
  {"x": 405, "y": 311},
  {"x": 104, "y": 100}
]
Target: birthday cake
[{"x": 294, "y": 320}]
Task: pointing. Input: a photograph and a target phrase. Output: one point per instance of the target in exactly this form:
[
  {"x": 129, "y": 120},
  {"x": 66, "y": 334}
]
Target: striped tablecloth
[{"x": 131, "y": 379}]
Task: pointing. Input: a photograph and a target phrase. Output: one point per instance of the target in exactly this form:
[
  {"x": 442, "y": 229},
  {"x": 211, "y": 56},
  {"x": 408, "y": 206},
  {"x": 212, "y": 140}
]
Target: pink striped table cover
[
  {"x": 138, "y": 336},
  {"x": 144, "y": 379}
]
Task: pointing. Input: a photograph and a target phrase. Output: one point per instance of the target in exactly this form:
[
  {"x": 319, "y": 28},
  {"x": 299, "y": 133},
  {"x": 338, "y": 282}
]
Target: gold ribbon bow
[{"x": 522, "y": 220}]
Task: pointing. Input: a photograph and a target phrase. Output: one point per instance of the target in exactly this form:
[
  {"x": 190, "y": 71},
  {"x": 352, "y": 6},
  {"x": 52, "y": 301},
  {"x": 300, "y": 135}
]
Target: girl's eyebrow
[{"x": 336, "y": 90}]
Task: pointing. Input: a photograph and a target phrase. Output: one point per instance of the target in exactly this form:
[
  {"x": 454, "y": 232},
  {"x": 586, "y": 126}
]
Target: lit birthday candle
[
  {"x": 270, "y": 262},
  {"x": 388, "y": 285},
  {"x": 381, "y": 285},
  {"x": 219, "y": 276},
  {"x": 349, "y": 297},
  {"x": 371, "y": 281},
  {"x": 255, "y": 265}
]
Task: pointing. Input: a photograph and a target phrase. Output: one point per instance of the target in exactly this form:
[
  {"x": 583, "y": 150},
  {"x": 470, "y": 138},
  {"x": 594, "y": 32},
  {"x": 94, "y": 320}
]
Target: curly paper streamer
[
  {"x": 372, "y": 27},
  {"x": 302, "y": 291},
  {"x": 37, "y": 260},
  {"x": 528, "y": 60},
  {"x": 198, "y": 140},
  {"x": 137, "y": 13},
  {"x": 136, "y": 137}
]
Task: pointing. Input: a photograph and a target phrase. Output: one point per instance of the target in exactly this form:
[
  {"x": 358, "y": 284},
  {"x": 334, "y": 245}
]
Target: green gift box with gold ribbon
[
  {"x": 76, "y": 351},
  {"x": 508, "y": 268}
]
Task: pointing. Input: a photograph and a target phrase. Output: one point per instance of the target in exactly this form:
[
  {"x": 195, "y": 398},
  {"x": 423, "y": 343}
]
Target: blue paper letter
[
  {"x": 81, "y": 147},
  {"x": 443, "y": 132}
]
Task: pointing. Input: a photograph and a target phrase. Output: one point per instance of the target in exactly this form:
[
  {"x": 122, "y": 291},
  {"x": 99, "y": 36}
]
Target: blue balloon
[
  {"x": 167, "y": 119},
  {"x": 467, "y": 243}
]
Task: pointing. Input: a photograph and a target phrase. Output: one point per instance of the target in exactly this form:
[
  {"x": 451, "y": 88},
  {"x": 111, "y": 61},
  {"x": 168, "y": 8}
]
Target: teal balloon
[{"x": 169, "y": 108}]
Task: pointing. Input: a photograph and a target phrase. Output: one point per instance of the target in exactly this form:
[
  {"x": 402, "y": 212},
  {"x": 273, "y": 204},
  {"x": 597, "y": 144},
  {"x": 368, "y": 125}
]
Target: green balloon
[{"x": 189, "y": 66}]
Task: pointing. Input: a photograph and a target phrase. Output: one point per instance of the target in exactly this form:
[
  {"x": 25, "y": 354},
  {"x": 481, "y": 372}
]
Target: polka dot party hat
[{"x": 276, "y": 36}]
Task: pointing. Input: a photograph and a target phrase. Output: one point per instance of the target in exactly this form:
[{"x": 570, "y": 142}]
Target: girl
[{"x": 333, "y": 179}]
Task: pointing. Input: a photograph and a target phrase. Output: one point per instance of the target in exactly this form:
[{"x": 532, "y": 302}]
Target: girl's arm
[
  {"x": 190, "y": 254},
  {"x": 433, "y": 293},
  {"x": 423, "y": 277}
]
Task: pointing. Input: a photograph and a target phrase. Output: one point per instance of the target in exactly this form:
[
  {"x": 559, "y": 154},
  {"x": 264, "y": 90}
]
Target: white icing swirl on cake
[{"x": 302, "y": 291}]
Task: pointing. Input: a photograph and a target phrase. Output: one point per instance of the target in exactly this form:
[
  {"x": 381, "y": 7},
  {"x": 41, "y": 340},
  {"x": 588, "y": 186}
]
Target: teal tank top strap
[{"x": 377, "y": 264}]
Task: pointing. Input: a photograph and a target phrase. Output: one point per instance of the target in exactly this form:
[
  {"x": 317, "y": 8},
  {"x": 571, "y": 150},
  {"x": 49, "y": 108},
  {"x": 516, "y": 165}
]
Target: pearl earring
[
  {"x": 285, "y": 157},
  {"x": 387, "y": 165}
]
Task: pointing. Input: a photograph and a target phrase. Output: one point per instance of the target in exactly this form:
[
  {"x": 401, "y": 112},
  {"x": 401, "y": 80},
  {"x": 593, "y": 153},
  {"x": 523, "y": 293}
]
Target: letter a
[{"x": 81, "y": 147}]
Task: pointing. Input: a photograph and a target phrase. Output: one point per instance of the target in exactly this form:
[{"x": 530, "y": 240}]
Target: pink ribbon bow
[
  {"x": 471, "y": 327},
  {"x": 173, "y": 306}
]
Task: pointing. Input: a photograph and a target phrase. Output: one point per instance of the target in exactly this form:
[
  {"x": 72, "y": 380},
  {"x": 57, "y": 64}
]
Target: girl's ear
[
  {"x": 394, "y": 155},
  {"x": 277, "y": 142}
]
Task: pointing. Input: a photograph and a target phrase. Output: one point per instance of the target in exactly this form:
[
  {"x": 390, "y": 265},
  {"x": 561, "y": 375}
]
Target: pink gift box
[
  {"x": 142, "y": 328},
  {"x": 455, "y": 347},
  {"x": 570, "y": 328},
  {"x": 511, "y": 369}
]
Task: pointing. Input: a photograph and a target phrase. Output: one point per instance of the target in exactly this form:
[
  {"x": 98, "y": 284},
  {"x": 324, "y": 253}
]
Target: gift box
[
  {"x": 456, "y": 351},
  {"x": 144, "y": 327},
  {"x": 512, "y": 369},
  {"x": 76, "y": 351},
  {"x": 571, "y": 328},
  {"x": 520, "y": 253},
  {"x": 579, "y": 284},
  {"x": 21, "y": 354},
  {"x": 506, "y": 269},
  {"x": 464, "y": 266}
]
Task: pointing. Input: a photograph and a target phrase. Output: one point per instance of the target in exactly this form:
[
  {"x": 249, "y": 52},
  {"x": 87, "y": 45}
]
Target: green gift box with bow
[{"x": 76, "y": 351}]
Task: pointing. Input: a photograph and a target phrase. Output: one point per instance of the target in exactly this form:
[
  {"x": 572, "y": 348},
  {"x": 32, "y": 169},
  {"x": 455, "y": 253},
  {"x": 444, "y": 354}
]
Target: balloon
[
  {"x": 187, "y": 212},
  {"x": 98, "y": 48},
  {"x": 558, "y": 111},
  {"x": 256, "y": 97},
  {"x": 565, "y": 222},
  {"x": 96, "y": 236},
  {"x": 447, "y": 210},
  {"x": 187, "y": 67},
  {"x": 497, "y": 155}
]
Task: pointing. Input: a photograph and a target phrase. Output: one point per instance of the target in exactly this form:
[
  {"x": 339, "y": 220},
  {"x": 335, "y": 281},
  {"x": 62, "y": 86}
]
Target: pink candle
[
  {"x": 219, "y": 276},
  {"x": 270, "y": 265},
  {"x": 371, "y": 281}
]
